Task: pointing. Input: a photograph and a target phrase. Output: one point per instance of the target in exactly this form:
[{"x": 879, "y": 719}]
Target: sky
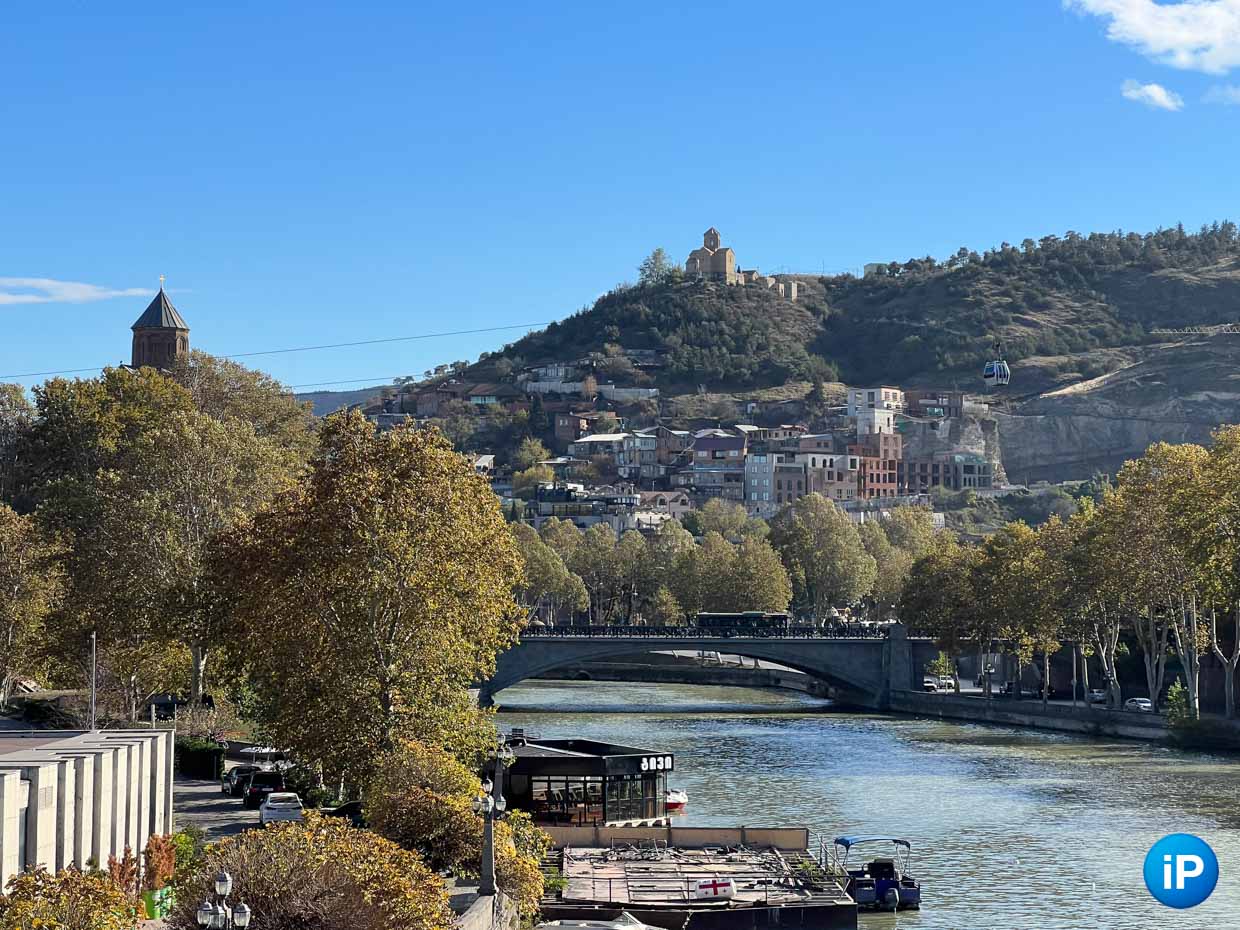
[{"x": 316, "y": 173}]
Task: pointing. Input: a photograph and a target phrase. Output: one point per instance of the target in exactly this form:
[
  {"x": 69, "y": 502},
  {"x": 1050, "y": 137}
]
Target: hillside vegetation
[{"x": 1059, "y": 300}]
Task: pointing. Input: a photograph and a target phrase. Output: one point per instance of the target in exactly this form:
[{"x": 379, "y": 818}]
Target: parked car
[
  {"x": 928, "y": 684},
  {"x": 1140, "y": 705},
  {"x": 352, "y": 810},
  {"x": 1051, "y": 692},
  {"x": 232, "y": 782},
  {"x": 279, "y": 805},
  {"x": 259, "y": 785},
  {"x": 1097, "y": 696},
  {"x": 947, "y": 683}
]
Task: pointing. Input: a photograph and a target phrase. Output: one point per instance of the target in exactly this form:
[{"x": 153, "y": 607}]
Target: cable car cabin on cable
[
  {"x": 996, "y": 373},
  {"x": 748, "y": 623}
]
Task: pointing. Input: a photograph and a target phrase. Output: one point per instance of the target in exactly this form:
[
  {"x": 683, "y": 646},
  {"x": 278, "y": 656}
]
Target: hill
[
  {"x": 325, "y": 402},
  {"x": 1060, "y": 306}
]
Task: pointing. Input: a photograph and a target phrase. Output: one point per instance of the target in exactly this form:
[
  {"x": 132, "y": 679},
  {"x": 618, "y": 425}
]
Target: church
[
  {"x": 712, "y": 261},
  {"x": 160, "y": 335}
]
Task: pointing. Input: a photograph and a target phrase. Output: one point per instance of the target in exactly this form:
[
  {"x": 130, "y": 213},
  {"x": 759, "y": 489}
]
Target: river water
[{"x": 1010, "y": 828}]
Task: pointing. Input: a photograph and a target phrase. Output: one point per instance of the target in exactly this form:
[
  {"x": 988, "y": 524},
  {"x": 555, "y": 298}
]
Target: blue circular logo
[{"x": 1181, "y": 870}]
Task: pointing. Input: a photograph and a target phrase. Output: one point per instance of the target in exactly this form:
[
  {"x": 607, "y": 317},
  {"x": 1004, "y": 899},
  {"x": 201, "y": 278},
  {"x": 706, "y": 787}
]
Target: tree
[
  {"x": 530, "y": 453},
  {"x": 30, "y": 587},
  {"x": 525, "y": 483},
  {"x": 16, "y": 420},
  {"x": 593, "y": 560},
  {"x": 321, "y": 873},
  {"x": 822, "y": 551},
  {"x": 941, "y": 598},
  {"x": 727, "y": 518},
  {"x": 657, "y": 269},
  {"x": 758, "y": 579},
  {"x": 562, "y": 536},
  {"x": 369, "y": 597},
  {"x": 547, "y": 581},
  {"x": 1217, "y": 548},
  {"x": 665, "y": 610},
  {"x": 225, "y": 390},
  {"x": 68, "y": 900}
]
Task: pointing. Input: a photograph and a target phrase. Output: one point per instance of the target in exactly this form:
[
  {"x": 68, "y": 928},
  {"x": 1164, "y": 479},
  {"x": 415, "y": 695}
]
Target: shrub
[
  {"x": 68, "y": 900},
  {"x": 420, "y": 798},
  {"x": 321, "y": 873}
]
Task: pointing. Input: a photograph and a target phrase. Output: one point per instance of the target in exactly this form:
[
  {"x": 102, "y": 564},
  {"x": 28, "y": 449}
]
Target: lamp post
[
  {"x": 217, "y": 915},
  {"x": 491, "y": 805}
]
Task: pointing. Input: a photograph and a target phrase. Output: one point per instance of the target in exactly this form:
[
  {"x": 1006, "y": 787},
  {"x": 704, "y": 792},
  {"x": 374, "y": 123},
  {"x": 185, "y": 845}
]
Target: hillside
[
  {"x": 1055, "y": 304},
  {"x": 325, "y": 402}
]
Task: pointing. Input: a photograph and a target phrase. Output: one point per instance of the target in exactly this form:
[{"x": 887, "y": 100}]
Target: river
[{"x": 1011, "y": 829}]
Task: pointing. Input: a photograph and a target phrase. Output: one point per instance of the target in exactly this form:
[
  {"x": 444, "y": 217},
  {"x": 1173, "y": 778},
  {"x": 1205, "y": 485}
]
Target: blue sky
[{"x": 318, "y": 173}]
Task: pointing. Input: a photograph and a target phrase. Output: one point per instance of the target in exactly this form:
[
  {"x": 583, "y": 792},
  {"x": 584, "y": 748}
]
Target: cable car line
[{"x": 335, "y": 345}]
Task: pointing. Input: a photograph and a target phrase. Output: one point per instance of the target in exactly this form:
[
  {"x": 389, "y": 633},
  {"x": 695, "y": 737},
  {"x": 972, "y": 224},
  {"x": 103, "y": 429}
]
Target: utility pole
[{"x": 94, "y": 667}]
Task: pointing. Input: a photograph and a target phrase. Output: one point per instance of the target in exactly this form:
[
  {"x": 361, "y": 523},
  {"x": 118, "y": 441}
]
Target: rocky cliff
[{"x": 1177, "y": 392}]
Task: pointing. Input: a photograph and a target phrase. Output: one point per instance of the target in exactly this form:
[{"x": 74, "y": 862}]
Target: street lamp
[
  {"x": 217, "y": 915},
  {"x": 491, "y": 806}
]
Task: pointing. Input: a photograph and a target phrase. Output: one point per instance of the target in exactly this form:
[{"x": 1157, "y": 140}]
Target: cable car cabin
[
  {"x": 749, "y": 623},
  {"x": 996, "y": 373},
  {"x": 580, "y": 782}
]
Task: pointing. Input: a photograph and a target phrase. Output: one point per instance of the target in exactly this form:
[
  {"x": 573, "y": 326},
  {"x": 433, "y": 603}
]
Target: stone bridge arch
[{"x": 865, "y": 670}]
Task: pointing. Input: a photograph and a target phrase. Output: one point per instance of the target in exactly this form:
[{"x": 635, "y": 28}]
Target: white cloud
[
  {"x": 1226, "y": 94},
  {"x": 1195, "y": 35},
  {"x": 51, "y": 291},
  {"x": 1152, "y": 95}
]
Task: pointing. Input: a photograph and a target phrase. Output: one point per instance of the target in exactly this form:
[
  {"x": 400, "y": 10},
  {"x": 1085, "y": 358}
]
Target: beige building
[
  {"x": 68, "y": 798},
  {"x": 713, "y": 261}
]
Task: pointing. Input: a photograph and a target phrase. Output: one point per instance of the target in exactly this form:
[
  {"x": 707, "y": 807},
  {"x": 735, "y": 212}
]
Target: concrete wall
[
  {"x": 91, "y": 795},
  {"x": 1065, "y": 719},
  {"x": 13, "y": 799},
  {"x": 497, "y": 912}
]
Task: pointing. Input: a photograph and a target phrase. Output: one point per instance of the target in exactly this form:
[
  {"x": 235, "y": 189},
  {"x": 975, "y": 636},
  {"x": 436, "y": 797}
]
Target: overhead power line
[{"x": 334, "y": 345}]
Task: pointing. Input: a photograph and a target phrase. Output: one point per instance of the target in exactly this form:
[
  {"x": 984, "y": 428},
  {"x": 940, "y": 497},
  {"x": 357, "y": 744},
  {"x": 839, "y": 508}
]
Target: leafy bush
[
  {"x": 322, "y": 874},
  {"x": 68, "y": 900},
  {"x": 420, "y": 798}
]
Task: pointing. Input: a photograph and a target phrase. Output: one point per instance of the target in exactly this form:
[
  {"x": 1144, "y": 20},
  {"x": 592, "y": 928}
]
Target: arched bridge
[{"x": 863, "y": 670}]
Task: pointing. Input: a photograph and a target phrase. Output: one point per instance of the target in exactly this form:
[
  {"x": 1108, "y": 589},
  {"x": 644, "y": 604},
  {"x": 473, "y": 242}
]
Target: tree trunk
[
  {"x": 1227, "y": 662},
  {"x": 198, "y": 673},
  {"x": 1084, "y": 677},
  {"x": 1076, "y": 663},
  {"x": 1046, "y": 677}
]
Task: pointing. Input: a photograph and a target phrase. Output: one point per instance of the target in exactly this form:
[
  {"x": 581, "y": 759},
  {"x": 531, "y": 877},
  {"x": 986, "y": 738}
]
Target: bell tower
[{"x": 160, "y": 335}]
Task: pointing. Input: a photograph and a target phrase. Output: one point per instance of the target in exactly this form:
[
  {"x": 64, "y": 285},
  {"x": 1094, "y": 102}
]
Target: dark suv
[{"x": 259, "y": 785}]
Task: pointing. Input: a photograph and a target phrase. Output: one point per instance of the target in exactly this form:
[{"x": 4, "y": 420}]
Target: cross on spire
[{"x": 161, "y": 282}]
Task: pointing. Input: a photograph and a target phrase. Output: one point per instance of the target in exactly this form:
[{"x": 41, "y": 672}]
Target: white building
[
  {"x": 884, "y": 397},
  {"x": 872, "y": 420},
  {"x": 70, "y": 797}
]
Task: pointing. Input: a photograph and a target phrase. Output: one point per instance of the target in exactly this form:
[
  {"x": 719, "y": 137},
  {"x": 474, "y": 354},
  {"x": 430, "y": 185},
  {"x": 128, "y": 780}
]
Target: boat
[
  {"x": 675, "y": 800},
  {"x": 883, "y": 883}
]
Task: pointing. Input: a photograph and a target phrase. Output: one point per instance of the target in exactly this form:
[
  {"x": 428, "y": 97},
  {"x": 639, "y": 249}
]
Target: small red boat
[{"x": 675, "y": 801}]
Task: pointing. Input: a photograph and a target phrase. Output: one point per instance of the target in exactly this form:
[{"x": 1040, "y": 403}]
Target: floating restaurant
[{"x": 580, "y": 782}]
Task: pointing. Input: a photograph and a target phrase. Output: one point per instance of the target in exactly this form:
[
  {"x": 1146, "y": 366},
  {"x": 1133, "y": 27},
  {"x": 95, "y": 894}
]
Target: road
[{"x": 200, "y": 803}]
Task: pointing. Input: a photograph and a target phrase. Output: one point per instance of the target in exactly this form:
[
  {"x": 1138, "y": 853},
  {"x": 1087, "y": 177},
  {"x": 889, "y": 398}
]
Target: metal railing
[{"x": 619, "y": 631}]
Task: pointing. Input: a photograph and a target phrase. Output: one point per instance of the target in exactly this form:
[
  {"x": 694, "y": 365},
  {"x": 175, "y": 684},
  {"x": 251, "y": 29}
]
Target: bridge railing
[{"x": 618, "y": 631}]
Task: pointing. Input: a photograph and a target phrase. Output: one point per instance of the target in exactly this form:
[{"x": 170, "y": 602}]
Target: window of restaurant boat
[{"x": 583, "y": 782}]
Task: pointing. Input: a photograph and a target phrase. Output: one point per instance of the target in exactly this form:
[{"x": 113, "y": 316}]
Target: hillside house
[
  {"x": 885, "y": 397},
  {"x": 674, "y": 503},
  {"x": 584, "y": 508}
]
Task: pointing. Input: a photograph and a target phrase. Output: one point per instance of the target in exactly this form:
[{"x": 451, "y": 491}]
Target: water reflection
[{"x": 1010, "y": 829}]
